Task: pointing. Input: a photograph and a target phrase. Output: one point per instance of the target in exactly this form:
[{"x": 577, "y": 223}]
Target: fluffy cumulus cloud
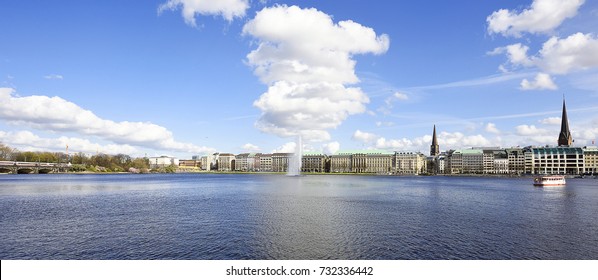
[
  {"x": 536, "y": 136},
  {"x": 331, "y": 148},
  {"x": 561, "y": 56},
  {"x": 528, "y": 130},
  {"x": 306, "y": 59},
  {"x": 543, "y": 16},
  {"x": 58, "y": 115},
  {"x": 250, "y": 148},
  {"x": 551, "y": 121},
  {"x": 288, "y": 147},
  {"x": 446, "y": 140},
  {"x": 541, "y": 82},
  {"x": 364, "y": 137},
  {"x": 33, "y": 142},
  {"x": 490, "y": 127},
  {"x": 228, "y": 9},
  {"x": 558, "y": 56}
]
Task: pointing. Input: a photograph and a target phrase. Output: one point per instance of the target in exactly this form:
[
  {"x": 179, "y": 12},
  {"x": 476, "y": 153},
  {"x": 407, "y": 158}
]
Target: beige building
[
  {"x": 245, "y": 162},
  {"x": 226, "y": 162},
  {"x": 280, "y": 162},
  {"x": 366, "y": 161},
  {"x": 340, "y": 162},
  {"x": 313, "y": 163},
  {"x": 409, "y": 163},
  {"x": 263, "y": 162},
  {"x": 590, "y": 156}
]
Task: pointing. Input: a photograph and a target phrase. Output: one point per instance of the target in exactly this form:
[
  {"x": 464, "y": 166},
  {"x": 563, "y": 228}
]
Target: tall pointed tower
[
  {"x": 434, "y": 148},
  {"x": 565, "y": 138}
]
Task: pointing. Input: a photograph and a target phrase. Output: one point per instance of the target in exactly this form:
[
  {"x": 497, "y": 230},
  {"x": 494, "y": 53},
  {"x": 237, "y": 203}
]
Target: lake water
[{"x": 245, "y": 216}]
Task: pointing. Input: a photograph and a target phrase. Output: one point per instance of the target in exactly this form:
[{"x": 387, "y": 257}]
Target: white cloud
[
  {"x": 542, "y": 17},
  {"x": 516, "y": 53},
  {"x": 529, "y": 130},
  {"x": 33, "y": 142},
  {"x": 364, "y": 137},
  {"x": 458, "y": 140},
  {"x": 58, "y": 115},
  {"x": 228, "y": 9},
  {"x": 446, "y": 140},
  {"x": 541, "y": 82},
  {"x": 250, "y": 148},
  {"x": 551, "y": 121},
  {"x": 400, "y": 96},
  {"x": 288, "y": 147},
  {"x": 306, "y": 60},
  {"x": 561, "y": 56},
  {"x": 557, "y": 56},
  {"x": 53, "y": 77},
  {"x": 490, "y": 127},
  {"x": 331, "y": 148}
]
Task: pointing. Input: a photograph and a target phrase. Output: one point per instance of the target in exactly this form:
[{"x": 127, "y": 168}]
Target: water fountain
[{"x": 295, "y": 160}]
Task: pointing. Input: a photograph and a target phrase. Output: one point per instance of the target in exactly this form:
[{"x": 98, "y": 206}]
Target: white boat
[{"x": 549, "y": 181}]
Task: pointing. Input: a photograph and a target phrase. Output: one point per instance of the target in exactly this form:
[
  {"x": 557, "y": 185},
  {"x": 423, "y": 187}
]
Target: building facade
[
  {"x": 280, "y": 162},
  {"x": 226, "y": 162},
  {"x": 409, "y": 163},
  {"x": 590, "y": 157},
  {"x": 557, "y": 160},
  {"x": 314, "y": 163},
  {"x": 162, "y": 161}
]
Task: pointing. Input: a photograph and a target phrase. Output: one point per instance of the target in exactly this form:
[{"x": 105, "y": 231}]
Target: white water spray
[{"x": 295, "y": 160}]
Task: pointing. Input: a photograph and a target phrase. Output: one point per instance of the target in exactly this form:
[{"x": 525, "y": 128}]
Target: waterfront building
[
  {"x": 207, "y": 162},
  {"x": 565, "y": 138},
  {"x": 434, "y": 148},
  {"x": 501, "y": 162},
  {"x": 516, "y": 160},
  {"x": 362, "y": 161},
  {"x": 340, "y": 162},
  {"x": 162, "y": 161},
  {"x": 410, "y": 163},
  {"x": 280, "y": 162},
  {"x": 441, "y": 163},
  {"x": 226, "y": 162},
  {"x": 557, "y": 160},
  {"x": 590, "y": 157},
  {"x": 466, "y": 161},
  {"x": 263, "y": 162},
  {"x": 244, "y": 162},
  {"x": 379, "y": 162},
  {"x": 314, "y": 162},
  {"x": 189, "y": 163}
]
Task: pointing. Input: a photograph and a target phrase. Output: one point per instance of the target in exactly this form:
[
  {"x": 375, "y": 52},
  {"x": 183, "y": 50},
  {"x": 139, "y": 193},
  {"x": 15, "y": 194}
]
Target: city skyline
[{"x": 174, "y": 78}]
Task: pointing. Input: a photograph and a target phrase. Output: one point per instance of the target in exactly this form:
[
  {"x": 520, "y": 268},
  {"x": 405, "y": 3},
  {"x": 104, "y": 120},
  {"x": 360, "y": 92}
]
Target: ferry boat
[{"x": 549, "y": 181}]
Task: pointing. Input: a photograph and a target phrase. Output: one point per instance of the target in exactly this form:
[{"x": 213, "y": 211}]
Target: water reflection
[{"x": 214, "y": 216}]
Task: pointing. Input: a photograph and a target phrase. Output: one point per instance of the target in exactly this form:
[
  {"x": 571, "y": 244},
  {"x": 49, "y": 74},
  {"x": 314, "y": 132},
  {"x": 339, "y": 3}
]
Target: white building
[
  {"x": 162, "y": 161},
  {"x": 557, "y": 160}
]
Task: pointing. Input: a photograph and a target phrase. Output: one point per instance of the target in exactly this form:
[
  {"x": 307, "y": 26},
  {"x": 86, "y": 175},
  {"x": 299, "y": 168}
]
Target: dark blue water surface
[{"x": 220, "y": 216}]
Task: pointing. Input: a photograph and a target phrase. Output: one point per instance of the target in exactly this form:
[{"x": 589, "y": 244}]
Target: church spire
[
  {"x": 565, "y": 138},
  {"x": 434, "y": 148}
]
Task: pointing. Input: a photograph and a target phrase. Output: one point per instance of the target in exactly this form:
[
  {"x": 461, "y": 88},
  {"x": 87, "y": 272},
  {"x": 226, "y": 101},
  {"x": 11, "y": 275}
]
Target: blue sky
[{"x": 185, "y": 77}]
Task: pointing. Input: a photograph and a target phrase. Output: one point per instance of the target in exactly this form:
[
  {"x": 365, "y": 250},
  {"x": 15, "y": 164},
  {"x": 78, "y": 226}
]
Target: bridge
[{"x": 22, "y": 167}]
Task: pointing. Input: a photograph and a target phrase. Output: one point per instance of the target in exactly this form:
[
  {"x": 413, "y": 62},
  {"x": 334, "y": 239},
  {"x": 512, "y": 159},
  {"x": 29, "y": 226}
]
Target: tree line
[{"x": 80, "y": 161}]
